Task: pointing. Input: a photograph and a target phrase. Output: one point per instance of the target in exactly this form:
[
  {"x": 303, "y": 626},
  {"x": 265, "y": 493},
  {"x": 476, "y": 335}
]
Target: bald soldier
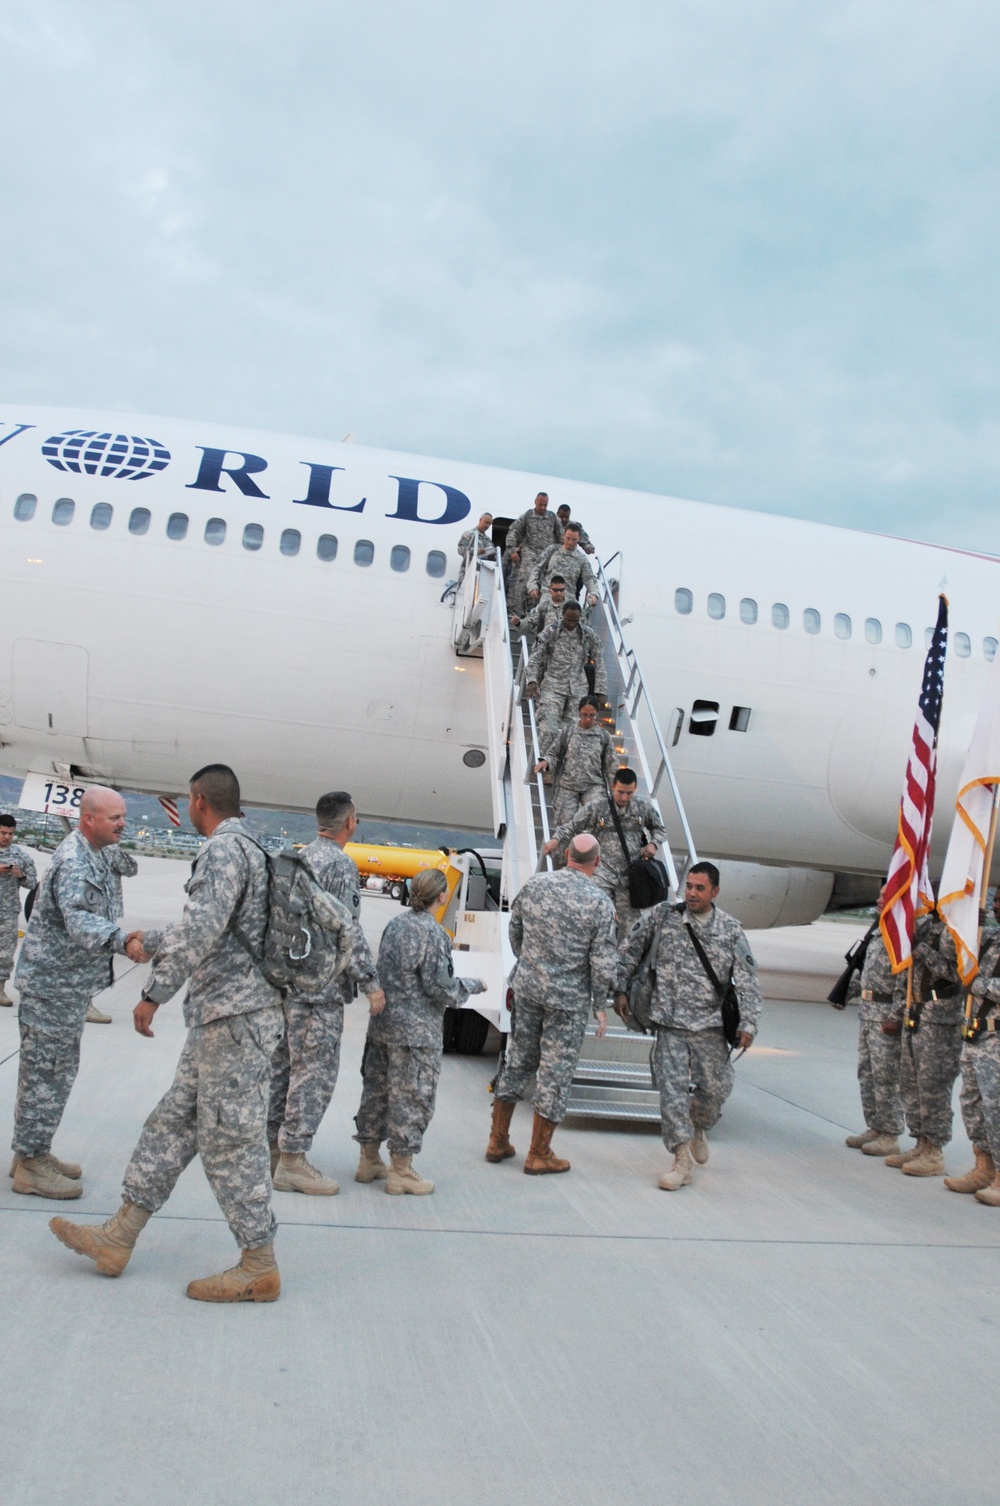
[{"x": 71, "y": 938}]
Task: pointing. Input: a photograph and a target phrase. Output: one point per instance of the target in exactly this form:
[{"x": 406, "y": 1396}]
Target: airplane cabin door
[{"x": 50, "y": 687}]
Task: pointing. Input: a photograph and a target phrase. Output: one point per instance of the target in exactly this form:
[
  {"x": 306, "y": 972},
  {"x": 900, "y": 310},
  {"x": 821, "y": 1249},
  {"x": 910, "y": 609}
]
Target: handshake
[{"x": 134, "y": 948}]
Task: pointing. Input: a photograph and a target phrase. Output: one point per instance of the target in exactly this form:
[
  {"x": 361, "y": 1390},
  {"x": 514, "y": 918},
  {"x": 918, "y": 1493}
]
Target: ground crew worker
[
  {"x": 305, "y": 1065},
  {"x": 563, "y": 514},
  {"x": 980, "y": 1064},
  {"x": 70, "y": 940},
  {"x": 568, "y": 560},
  {"x": 585, "y": 760},
  {"x": 402, "y": 1060},
  {"x": 879, "y": 1018},
  {"x": 566, "y": 663},
  {"x": 17, "y": 872},
  {"x": 690, "y": 1049},
  {"x": 548, "y": 610},
  {"x": 122, "y": 865},
  {"x": 930, "y": 1049},
  {"x": 476, "y": 544},
  {"x": 529, "y": 536},
  {"x": 562, "y": 931},
  {"x": 641, "y": 828},
  {"x": 216, "y": 1106}
]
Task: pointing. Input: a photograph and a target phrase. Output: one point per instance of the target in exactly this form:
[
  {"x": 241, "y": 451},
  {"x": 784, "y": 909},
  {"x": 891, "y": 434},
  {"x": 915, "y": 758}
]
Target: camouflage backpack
[{"x": 308, "y": 938}]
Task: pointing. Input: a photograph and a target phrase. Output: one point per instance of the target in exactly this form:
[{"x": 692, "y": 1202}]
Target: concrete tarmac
[{"x": 802, "y": 1325}]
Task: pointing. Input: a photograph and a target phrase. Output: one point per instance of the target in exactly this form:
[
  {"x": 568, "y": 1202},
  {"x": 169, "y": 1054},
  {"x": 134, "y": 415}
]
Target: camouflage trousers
[
  {"x": 555, "y": 705},
  {"x": 980, "y": 1098},
  {"x": 216, "y": 1107},
  {"x": 304, "y": 1074},
  {"x": 878, "y": 1077},
  {"x": 568, "y": 801},
  {"x": 928, "y": 1065},
  {"x": 684, "y": 1059},
  {"x": 8, "y": 946},
  {"x": 615, "y": 885},
  {"x": 545, "y": 1044},
  {"x": 397, "y": 1100},
  {"x": 49, "y": 1062}
]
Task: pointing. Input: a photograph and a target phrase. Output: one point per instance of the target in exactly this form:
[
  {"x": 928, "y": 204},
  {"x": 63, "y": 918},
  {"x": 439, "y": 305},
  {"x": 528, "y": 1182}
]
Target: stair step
[
  {"x": 629, "y": 1074},
  {"x": 612, "y": 1103}
]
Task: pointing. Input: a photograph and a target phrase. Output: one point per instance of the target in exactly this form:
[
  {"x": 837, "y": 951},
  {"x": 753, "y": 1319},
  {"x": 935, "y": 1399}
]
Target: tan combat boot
[
  {"x": 36, "y": 1174},
  {"x": 255, "y": 1279},
  {"x": 990, "y": 1195},
  {"x": 371, "y": 1167},
  {"x": 855, "y": 1142},
  {"x": 930, "y": 1162},
  {"x": 95, "y": 1017},
  {"x": 402, "y": 1177},
  {"x": 699, "y": 1147},
  {"x": 499, "y": 1147},
  {"x": 882, "y": 1145},
  {"x": 274, "y": 1151},
  {"x": 981, "y": 1175},
  {"x": 64, "y": 1168},
  {"x": 295, "y": 1174},
  {"x": 540, "y": 1159},
  {"x": 681, "y": 1174},
  {"x": 109, "y": 1245},
  {"x": 5, "y": 1001},
  {"x": 901, "y": 1157}
]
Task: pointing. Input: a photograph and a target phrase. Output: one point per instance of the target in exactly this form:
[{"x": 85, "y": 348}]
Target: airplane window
[
  {"x": 703, "y": 719},
  {"x": 177, "y": 525},
  {"x": 326, "y": 546},
  {"x": 841, "y": 626},
  {"x": 253, "y": 536},
  {"x": 873, "y": 630},
  {"x": 436, "y": 563},
  {"x": 364, "y": 552},
  {"x": 683, "y": 600},
  {"x": 399, "y": 559},
  {"x": 716, "y": 606},
  {"x": 963, "y": 645},
  {"x": 779, "y": 615},
  {"x": 810, "y": 620},
  {"x": 62, "y": 512},
  {"x": 101, "y": 514},
  {"x": 291, "y": 541},
  {"x": 138, "y": 521},
  {"x": 928, "y": 637},
  {"x": 24, "y": 507},
  {"x": 989, "y": 649},
  {"x": 739, "y": 719},
  {"x": 903, "y": 635},
  {"x": 748, "y": 611},
  {"x": 215, "y": 530}
]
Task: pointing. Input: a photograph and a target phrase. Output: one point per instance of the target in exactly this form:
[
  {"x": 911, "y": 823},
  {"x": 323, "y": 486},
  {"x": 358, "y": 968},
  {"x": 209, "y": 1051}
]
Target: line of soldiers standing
[{"x": 909, "y": 1058}]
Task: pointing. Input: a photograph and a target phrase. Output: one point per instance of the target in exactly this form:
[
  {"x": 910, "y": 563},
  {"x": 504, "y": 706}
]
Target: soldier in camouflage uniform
[
  {"x": 585, "y": 759},
  {"x": 980, "y": 1066},
  {"x": 402, "y": 1060},
  {"x": 568, "y": 560},
  {"x": 122, "y": 865},
  {"x": 548, "y": 610},
  {"x": 643, "y": 832},
  {"x": 930, "y": 1049},
  {"x": 690, "y": 1047},
  {"x": 880, "y": 1012},
  {"x": 305, "y": 1065},
  {"x": 562, "y": 931},
  {"x": 566, "y": 663},
  {"x": 476, "y": 543},
  {"x": 17, "y": 872},
  {"x": 529, "y": 536},
  {"x": 217, "y": 1103},
  {"x": 66, "y": 959},
  {"x": 563, "y": 514}
]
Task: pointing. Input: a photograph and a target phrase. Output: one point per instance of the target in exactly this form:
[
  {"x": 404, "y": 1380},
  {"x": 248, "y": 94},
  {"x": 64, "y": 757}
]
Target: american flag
[{"x": 907, "y": 888}]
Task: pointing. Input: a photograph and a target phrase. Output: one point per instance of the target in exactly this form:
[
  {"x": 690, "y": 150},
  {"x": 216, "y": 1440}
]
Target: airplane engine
[{"x": 762, "y": 897}]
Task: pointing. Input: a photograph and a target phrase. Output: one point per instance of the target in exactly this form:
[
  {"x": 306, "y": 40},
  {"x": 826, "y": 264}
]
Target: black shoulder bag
[
  {"x": 647, "y": 877},
  {"x": 728, "y": 998}
]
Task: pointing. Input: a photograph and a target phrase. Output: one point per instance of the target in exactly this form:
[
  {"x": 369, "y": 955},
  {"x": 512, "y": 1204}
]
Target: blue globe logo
[{"x": 88, "y": 453}]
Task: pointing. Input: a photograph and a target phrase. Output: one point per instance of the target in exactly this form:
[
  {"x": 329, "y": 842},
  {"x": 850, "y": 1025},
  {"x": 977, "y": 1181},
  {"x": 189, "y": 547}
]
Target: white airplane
[{"x": 178, "y": 593}]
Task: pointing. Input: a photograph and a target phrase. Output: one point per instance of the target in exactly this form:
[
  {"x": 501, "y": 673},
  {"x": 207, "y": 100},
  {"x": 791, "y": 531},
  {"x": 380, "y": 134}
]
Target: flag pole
[{"x": 969, "y": 1026}]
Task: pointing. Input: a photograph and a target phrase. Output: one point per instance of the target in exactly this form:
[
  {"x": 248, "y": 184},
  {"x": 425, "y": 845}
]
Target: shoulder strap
[
  {"x": 618, "y": 828},
  {"x": 709, "y": 969}
]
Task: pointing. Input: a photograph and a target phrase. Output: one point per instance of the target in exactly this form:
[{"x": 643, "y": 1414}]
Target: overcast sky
[{"x": 742, "y": 252}]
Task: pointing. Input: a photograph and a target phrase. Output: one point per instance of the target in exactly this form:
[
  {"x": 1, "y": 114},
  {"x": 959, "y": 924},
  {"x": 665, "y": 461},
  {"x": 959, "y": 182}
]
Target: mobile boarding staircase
[{"x": 612, "y": 1079}]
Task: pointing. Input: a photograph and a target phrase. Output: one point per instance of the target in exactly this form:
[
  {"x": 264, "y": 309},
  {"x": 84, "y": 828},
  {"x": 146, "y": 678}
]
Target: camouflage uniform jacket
[
  {"x": 337, "y": 873},
  {"x": 877, "y": 978},
  {"x": 14, "y": 856},
  {"x": 684, "y": 996},
  {"x": 532, "y": 533},
  {"x": 639, "y": 824},
  {"x": 582, "y": 756},
  {"x": 474, "y": 539},
  {"x": 73, "y": 931},
  {"x": 572, "y": 564},
  {"x": 560, "y": 654},
  {"x": 986, "y": 984},
  {"x": 415, "y": 966},
  {"x": 935, "y": 969},
  {"x": 122, "y": 865},
  {"x": 541, "y": 617},
  {"x": 562, "y": 931},
  {"x": 227, "y": 895}
]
